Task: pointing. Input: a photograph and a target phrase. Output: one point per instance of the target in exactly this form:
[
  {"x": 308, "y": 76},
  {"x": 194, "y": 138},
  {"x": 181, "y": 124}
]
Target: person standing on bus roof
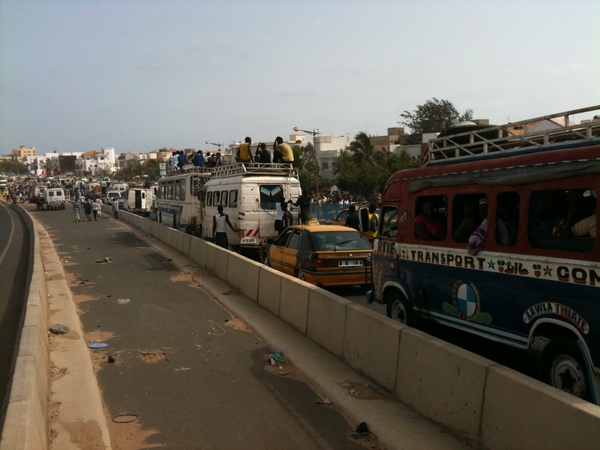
[
  {"x": 479, "y": 236},
  {"x": 220, "y": 223},
  {"x": 427, "y": 226},
  {"x": 244, "y": 154}
]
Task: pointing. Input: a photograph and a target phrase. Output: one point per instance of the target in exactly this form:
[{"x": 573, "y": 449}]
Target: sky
[{"x": 139, "y": 75}]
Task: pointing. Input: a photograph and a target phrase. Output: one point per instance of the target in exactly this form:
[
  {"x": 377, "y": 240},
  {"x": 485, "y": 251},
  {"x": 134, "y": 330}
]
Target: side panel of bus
[{"x": 535, "y": 284}]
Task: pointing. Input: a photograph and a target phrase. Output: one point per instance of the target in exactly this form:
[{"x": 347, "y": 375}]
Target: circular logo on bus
[{"x": 466, "y": 299}]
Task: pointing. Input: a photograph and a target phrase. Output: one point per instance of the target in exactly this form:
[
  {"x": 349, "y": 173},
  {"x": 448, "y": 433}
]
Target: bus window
[
  {"x": 389, "y": 222},
  {"x": 465, "y": 216},
  {"x": 176, "y": 190},
  {"x": 430, "y": 220},
  {"x": 507, "y": 218},
  {"x": 216, "y": 198},
  {"x": 182, "y": 191},
  {"x": 562, "y": 220},
  {"x": 233, "y": 198},
  {"x": 209, "y": 198},
  {"x": 270, "y": 195},
  {"x": 224, "y": 198},
  {"x": 170, "y": 190}
]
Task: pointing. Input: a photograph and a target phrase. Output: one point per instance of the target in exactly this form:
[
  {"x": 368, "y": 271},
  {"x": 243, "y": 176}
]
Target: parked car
[{"x": 324, "y": 255}]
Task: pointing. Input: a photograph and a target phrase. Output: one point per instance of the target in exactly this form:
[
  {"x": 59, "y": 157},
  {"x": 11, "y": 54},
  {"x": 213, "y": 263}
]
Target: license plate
[
  {"x": 350, "y": 263},
  {"x": 248, "y": 240}
]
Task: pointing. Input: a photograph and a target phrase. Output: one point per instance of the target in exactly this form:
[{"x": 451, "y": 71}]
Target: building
[{"x": 23, "y": 152}]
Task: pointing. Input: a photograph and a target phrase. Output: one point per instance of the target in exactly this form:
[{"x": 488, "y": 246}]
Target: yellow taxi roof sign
[{"x": 313, "y": 222}]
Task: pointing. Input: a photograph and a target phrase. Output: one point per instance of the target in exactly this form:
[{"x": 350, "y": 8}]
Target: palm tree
[{"x": 362, "y": 149}]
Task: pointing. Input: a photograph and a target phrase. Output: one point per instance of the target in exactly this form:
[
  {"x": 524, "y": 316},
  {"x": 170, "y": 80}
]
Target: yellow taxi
[{"x": 324, "y": 255}]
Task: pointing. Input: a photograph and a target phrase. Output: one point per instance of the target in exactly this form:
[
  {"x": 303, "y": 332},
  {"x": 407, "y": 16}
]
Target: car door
[
  {"x": 276, "y": 250},
  {"x": 290, "y": 252}
]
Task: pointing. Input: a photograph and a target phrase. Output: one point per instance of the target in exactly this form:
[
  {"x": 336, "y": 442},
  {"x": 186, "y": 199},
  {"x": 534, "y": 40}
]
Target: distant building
[{"x": 23, "y": 152}]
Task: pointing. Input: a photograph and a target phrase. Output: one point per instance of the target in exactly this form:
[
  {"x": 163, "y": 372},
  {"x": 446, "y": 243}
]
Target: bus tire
[
  {"x": 398, "y": 309},
  {"x": 564, "y": 367}
]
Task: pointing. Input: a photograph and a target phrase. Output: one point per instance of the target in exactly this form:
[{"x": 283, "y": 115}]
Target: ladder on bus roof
[{"x": 502, "y": 140}]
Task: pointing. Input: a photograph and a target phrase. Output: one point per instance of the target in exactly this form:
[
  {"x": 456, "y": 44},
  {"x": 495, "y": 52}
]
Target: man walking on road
[
  {"x": 220, "y": 222},
  {"x": 115, "y": 208},
  {"x": 76, "y": 211}
]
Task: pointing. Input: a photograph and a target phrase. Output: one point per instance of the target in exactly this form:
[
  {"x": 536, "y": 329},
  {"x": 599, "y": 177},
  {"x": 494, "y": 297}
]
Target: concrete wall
[{"x": 481, "y": 402}]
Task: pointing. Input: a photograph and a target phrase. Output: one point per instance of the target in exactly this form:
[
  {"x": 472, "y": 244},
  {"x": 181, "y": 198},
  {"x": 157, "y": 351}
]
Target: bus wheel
[
  {"x": 397, "y": 308},
  {"x": 564, "y": 367}
]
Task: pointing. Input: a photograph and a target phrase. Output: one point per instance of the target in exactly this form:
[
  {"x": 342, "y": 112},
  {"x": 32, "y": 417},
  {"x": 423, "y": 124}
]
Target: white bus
[
  {"x": 178, "y": 199},
  {"x": 248, "y": 194}
]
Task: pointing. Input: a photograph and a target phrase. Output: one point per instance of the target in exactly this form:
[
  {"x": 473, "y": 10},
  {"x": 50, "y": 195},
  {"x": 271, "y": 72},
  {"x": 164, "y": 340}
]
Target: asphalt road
[{"x": 190, "y": 373}]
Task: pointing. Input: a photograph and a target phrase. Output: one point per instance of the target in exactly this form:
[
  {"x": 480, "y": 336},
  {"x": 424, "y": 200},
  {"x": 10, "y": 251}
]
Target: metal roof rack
[
  {"x": 504, "y": 140},
  {"x": 228, "y": 170}
]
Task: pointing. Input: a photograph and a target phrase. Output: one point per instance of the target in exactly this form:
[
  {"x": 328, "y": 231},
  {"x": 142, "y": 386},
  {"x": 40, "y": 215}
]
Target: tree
[{"x": 432, "y": 117}]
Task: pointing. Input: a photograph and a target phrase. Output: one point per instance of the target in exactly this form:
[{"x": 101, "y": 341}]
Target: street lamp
[{"x": 314, "y": 134}]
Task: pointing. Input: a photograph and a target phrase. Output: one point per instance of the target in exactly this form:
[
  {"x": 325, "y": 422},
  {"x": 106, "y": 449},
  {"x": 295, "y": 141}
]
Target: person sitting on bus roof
[
  {"x": 282, "y": 152},
  {"x": 244, "y": 155},
  {"x": 428, "y": 226},
  {"x": 199, "y": 160},
  {"x": 468, "y": 224},
  {"x": 262, "y": 154},
  {"x": 479, "y": 236}
]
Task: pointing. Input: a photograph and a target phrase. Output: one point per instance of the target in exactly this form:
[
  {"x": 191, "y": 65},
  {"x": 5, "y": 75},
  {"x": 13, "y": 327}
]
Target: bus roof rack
[
  {"x": 538, "y": 134},
  {"x": 229, "y": 170}
]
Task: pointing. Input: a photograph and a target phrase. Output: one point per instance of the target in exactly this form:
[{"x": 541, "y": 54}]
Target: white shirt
[{"x": 221, "y": 223}]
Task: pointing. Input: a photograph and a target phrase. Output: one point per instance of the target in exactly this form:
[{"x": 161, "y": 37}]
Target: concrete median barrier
[
  {"x": 244, "y": 274},
  {"x": 269, "y": 290},
  {"x": 327, "y": 320},
  {"x": 363, "y": 349},
  {"x": 443, "y": 382},
  {"x": 533, "y": 415},
  {"x": 293, "y": 307}
]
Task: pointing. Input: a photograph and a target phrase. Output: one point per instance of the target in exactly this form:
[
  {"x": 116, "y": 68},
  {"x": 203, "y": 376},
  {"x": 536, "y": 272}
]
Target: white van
[
  {"x": 139, "y": 200},
  {"x": 54, "y": 198},
  {"x": 248, "y": 194}
]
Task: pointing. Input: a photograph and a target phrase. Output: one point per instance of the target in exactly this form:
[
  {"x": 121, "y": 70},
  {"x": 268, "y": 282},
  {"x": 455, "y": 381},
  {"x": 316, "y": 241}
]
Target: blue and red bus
[{"x": 496, "y": 235}]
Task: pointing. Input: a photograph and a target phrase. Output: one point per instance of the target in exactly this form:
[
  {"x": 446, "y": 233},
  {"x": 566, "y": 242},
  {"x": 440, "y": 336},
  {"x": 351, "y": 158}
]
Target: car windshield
[{"x": 340, "y": 240}]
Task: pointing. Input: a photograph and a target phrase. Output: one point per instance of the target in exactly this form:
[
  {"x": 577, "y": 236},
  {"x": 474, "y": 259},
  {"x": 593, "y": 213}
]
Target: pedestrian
[
  {"x": 279, "y": 216},
  {"x": 87, "y": 207},
  {"x": 76, "y": 210},
  {"x": 115, "y": 208},
  {"x": 287, "y": 219},
  {"x": 99, "y": 202},
  {"x": 220, "y": 223},
  {"x": 95, "y": 209},
  {"x": 303, "y": 203},
  {"x": 352, "y": 218}
]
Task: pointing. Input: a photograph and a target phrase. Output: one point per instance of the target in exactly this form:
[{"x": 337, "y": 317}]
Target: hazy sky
[{"x": 78, "y": 75}]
